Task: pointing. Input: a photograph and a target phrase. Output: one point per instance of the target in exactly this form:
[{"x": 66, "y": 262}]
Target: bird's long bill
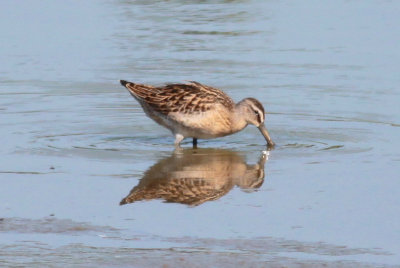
[{"x": 265, "y": 133}]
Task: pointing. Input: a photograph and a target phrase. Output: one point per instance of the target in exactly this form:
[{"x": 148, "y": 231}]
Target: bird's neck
[{"x": 238, "y": 121}]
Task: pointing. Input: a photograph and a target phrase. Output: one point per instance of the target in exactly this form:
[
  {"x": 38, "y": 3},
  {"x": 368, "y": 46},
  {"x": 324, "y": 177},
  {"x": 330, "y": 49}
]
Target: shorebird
[{"x": 198, "y": 111}]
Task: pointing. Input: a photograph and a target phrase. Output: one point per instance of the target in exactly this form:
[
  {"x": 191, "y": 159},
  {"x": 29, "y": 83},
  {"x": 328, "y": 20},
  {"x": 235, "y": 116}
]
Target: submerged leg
[
  {"x": 178, "y": 139},
  {"x": 195, "y": 143}
]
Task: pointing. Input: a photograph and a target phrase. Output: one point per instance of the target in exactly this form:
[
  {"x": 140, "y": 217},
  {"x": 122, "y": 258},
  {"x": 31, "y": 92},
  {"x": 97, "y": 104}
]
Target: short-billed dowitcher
[{"x": 198, "y": 111}]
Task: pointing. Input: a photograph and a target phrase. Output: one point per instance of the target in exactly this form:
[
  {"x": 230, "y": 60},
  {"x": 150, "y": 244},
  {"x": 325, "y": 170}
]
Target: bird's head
[{"x": 254, "y": 113}]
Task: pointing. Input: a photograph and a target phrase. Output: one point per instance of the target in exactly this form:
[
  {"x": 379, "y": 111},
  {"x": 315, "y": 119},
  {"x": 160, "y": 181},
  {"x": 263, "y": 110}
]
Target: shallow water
[{"x": 75, "y": 143}]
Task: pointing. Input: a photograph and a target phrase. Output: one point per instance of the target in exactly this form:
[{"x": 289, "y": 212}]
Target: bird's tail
[
  {"x": 125, "y": 83},
  {"x": 131, "y": 87},
  {"x": 139, "y": 90}
]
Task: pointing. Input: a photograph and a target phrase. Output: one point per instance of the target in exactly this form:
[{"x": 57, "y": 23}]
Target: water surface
[{"x": 74, "y": 143}]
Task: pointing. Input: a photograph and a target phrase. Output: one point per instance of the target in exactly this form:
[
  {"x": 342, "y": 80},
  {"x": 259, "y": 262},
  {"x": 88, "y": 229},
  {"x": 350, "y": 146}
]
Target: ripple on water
[{"x": 51, "y": 225}]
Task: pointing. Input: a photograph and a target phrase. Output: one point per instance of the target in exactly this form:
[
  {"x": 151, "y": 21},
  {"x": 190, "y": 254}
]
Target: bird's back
[{"x": 182, "y": 98}]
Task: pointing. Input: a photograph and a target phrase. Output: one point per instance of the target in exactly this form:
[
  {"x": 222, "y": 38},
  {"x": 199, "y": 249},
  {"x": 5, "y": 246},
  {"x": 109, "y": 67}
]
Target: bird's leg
[
  {"x": 178, "y": 139},
  {"x": 194, "y": 143}
]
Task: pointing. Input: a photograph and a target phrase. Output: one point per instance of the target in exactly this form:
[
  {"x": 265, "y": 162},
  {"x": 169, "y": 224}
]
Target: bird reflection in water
[{"x": 195, "y": 176}]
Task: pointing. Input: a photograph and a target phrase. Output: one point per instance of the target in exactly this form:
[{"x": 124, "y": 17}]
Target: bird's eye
[{"x": 256, "y": 112}]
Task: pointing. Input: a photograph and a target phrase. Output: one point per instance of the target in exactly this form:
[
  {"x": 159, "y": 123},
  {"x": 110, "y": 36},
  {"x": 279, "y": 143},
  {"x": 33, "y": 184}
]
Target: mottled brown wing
[{"x": 183, "y": 98}]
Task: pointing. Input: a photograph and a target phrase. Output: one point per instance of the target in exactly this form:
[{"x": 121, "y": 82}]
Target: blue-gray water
[{"x": 74, "y": 143}]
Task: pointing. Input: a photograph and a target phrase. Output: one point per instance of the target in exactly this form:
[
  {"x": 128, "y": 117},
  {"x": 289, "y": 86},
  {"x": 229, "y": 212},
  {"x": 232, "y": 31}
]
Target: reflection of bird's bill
[
  {"x": 266, "y": 135},
  {"x": 264, "y": 156},
  {"x": 195, "y": 176}
]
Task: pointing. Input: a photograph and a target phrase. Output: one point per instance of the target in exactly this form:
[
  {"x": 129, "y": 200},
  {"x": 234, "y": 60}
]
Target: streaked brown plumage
[
  {"x": 193, "y": 177},
  {"x": 197, "y": 111}
]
